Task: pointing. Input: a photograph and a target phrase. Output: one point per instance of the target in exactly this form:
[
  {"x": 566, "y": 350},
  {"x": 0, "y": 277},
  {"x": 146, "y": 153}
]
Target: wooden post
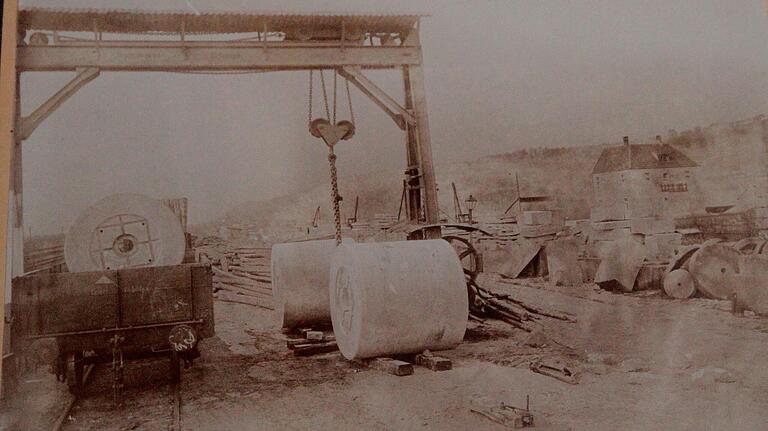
[
  {"x": 8, "y": 82},
  {"x": 415, "y": 79},
  {"x": 16, "y": 242},
  {"x": 412, "y": 194}
]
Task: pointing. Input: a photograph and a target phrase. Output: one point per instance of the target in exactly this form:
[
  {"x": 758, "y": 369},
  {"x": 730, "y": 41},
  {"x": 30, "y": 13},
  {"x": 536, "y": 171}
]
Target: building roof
[
  {"x": 207, "y": 22},
  {"x": 645, "y": 156}
]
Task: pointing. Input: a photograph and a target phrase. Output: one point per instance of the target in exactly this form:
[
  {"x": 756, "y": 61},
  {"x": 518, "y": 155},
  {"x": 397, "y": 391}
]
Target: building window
[
  {"x": 674, "y": 187},
  {"x": 665, "y": 158}
]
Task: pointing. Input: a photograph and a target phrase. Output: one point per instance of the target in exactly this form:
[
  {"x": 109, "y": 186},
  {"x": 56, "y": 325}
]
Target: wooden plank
[
  {"x": 315, "y": 348},
  {"x": 293, "y": 343},
  {"x": 8, "y": 85}
]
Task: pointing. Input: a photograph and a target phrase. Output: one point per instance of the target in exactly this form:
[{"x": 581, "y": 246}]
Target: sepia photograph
[{"x": 247, "y": 215}]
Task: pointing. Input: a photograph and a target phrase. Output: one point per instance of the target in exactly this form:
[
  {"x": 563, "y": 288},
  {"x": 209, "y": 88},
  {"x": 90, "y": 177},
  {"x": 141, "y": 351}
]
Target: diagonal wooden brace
[
  {"x": 30, "y": 122},
  {"x": 400, "y": 115}
]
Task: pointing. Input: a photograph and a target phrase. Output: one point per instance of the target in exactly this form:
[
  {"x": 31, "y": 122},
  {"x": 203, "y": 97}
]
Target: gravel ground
[{"x": 644, "y": 362}]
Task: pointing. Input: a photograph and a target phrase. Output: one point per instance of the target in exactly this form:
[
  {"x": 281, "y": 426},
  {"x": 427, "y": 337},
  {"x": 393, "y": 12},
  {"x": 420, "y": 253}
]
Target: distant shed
[{"x": 639, "y": 181}]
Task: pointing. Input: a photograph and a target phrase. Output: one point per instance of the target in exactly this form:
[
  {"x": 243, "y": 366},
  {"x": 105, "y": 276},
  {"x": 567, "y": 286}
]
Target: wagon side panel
[
  {"x": 202, "y": 285},
  {"x": 156, "y": 295},
  {"x": 82, "y": 301}
]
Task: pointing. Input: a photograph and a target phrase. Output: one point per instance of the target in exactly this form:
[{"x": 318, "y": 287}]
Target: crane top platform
[{"x": 124, "y": 21}]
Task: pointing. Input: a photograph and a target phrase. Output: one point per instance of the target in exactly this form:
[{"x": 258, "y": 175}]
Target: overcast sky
[{"x": 500, "y": 75}]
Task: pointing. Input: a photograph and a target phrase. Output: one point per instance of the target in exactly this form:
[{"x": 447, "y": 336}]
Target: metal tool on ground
[
  {"x": 564, "y": 374},
  {"x": 508, "y": 416}
]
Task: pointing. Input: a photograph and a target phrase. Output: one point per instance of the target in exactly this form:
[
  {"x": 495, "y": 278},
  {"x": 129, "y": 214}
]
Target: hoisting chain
[
  {"x": 349, "y": 101},
  {"x": 335, "y": 196}
]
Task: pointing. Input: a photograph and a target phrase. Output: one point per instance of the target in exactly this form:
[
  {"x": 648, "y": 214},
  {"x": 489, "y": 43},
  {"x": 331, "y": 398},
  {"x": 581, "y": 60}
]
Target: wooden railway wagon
[{"x": 114, "y": 316}]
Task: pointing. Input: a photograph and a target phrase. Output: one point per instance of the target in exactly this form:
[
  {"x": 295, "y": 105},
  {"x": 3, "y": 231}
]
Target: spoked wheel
[
  {"x": 468, "y": 255},
  {"x": 471, "y": 263}
]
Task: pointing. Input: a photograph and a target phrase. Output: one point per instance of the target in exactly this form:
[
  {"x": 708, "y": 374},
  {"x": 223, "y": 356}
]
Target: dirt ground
[{"x": 645, "y": 362}]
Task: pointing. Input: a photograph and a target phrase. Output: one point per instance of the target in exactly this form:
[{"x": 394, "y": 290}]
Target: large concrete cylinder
[
  {"x": 300, "y": 282},
  {"x": 397, "y": 298}
]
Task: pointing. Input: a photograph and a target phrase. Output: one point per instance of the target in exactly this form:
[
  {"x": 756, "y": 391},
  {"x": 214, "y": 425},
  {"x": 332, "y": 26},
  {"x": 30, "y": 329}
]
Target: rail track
[{"x": 175, "y": 393}]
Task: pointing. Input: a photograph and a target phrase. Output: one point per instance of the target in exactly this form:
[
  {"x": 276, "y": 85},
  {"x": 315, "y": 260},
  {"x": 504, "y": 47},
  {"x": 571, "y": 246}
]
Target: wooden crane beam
[
  {"x": 205, "y": 56},
  {"x": 30, "y": 122},
  {"x": 399, "y": 115}
]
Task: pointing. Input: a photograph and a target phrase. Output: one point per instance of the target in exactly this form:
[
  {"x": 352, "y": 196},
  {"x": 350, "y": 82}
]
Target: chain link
[
  {"x": 349, "y": 101},
  {"x": 335, "y": 198},
  {"x": 309, "y": 116},
  {"x": 325, "y": 96},
  {"x": 335, "y": 74}
]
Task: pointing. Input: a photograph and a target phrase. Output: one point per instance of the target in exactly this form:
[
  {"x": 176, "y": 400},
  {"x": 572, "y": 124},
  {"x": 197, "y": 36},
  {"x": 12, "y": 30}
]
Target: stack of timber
[
  {"x": 730, "y": 226},
  {"x": 384, "y": 221},
  {"x": 241, "y": 274},
  {"x": 312, "y": 343},
  {"x": 51, "y": 257},
  {"x": 504, "y": 231}
]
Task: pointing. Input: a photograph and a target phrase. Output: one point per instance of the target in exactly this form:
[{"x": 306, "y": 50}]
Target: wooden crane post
[{"x": 8, "y": 117}]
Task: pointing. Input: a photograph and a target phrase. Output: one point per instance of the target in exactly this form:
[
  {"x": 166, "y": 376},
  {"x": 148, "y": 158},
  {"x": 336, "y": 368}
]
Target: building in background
[{"x": 644, "y": 181}]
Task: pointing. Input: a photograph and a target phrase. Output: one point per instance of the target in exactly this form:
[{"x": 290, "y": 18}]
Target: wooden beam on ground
[
  {"x": 144, "y": 56},
  {"x": 434, "y": 363},
  {"x": 392, "y": 366}
]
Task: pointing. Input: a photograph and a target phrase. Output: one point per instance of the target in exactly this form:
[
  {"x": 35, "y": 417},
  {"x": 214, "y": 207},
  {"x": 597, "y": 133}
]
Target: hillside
[{"x": 731, "y": 155}]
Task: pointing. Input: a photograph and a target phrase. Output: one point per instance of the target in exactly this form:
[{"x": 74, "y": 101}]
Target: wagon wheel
[
  {"x": 468, "y": 256},
  {"x": 74, "y": 370}
]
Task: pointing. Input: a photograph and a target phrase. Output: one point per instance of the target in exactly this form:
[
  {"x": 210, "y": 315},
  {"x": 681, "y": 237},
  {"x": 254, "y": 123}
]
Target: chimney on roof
[
  {"x": 629, "y": 152},
  {"x": 658, "y": 139}
]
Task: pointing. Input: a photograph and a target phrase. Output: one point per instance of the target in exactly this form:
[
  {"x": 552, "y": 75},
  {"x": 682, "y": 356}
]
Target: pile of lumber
[
  {"x": 312, "y": 343},
  {"x": 489, "y": 304},
  {"x": 242, "y": 275}
]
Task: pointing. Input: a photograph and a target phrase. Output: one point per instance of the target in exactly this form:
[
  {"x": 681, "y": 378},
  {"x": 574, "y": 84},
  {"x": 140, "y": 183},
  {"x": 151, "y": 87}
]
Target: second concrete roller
[
  {"x": 397, "y": 298},
  {"x": 300, "y": 282}
]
